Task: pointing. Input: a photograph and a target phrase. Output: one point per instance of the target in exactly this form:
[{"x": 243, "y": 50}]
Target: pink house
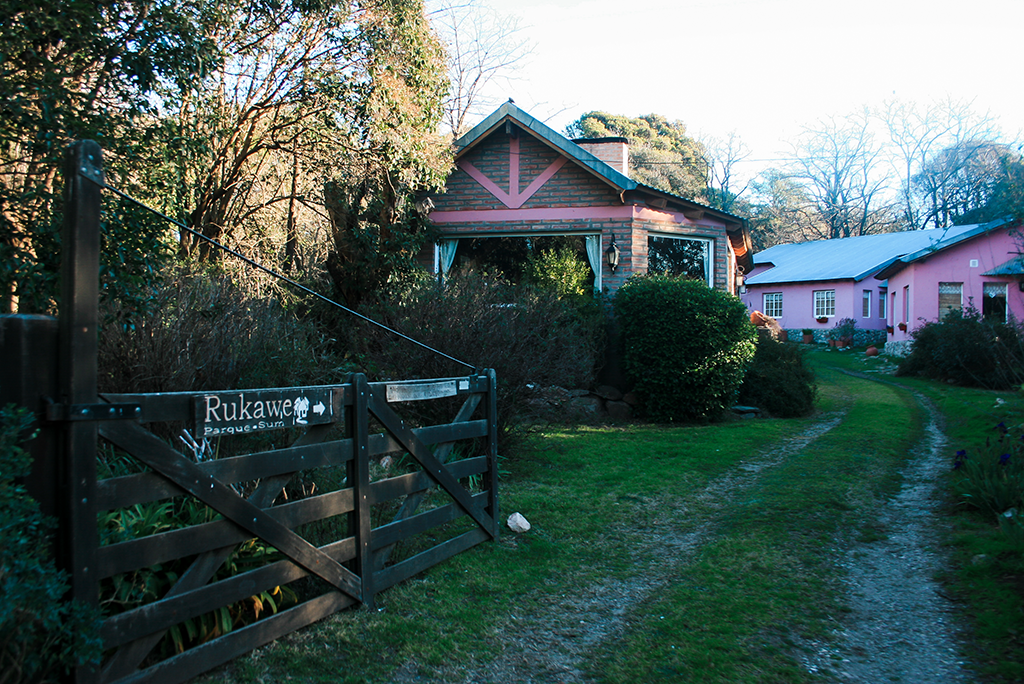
[
  {"x": 889, "y": 283},
  {"x": 518, "y": 178}
]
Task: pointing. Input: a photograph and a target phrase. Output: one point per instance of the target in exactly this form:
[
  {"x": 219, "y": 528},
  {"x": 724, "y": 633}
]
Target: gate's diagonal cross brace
[
  {"x": 413, "y": 501},
  {"x": 127, "y": 659},
  {"x": 421, "y": 452},
  {"x": 169, "y": 463}
]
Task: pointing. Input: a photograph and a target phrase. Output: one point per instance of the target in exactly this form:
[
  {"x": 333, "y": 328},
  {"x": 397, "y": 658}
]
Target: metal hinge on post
[{"x": 84, "y": 412}]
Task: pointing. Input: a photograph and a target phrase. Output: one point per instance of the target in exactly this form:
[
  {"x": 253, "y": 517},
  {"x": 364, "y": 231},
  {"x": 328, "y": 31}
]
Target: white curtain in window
[
  {"x": 594, "y": 256},
  {"x": 447, "y": 250},
  {"x": 709, "y": 273}
]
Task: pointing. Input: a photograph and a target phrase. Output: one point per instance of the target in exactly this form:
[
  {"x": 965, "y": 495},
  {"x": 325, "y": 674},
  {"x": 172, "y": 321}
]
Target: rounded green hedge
[
  {"x": 778, "y": 381},
  {"x": 686, "y": 346}
]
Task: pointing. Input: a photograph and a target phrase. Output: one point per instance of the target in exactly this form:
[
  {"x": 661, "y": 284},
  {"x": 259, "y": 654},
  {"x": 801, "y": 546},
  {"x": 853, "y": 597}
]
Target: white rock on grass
[{"x": 517, "y": 523}]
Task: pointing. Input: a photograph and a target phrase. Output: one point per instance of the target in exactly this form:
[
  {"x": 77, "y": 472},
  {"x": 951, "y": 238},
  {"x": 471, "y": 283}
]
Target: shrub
[
  {"x": 778, "y": 381},
  {"x": 966, "y": 349},
  {"x": 42, "y": 635},
  {"x": 205, "y": 331},
  {"x": 843, "y": 330},
  {"x": 992, "y": 480},
  {"x": 685, "y": 346},
  {"x": 527, "y": 335},
  {"x": 560, "y": 270}
]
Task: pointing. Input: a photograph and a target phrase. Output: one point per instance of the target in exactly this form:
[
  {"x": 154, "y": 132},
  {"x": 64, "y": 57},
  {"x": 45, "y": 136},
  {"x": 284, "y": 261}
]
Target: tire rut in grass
[
  {"x": 901, "y": 628},
  {"x": 552, "y": 645}
]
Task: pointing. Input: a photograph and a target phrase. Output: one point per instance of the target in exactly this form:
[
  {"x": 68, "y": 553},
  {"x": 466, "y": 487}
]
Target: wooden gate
[{"x": 392, "y": 524}]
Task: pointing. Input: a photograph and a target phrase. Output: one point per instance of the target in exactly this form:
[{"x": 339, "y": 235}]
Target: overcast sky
[{"x": 764, "y": 68}]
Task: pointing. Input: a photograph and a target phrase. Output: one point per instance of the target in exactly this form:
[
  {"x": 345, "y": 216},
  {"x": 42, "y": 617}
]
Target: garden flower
[{"x": 1004, "y": 459}]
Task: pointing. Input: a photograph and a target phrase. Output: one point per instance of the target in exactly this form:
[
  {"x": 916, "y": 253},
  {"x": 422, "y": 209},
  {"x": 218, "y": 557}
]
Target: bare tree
[
  {"x": 485, "y": 49},
  {"x": 936, "y": 145},
  {"x": 721, "y": 156},
  {"x": 959, "y": 180},
  {"x": 839, "y": 164}
]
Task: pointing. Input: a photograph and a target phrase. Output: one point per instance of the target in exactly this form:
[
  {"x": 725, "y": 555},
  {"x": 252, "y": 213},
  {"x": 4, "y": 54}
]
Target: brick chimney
[{"x": 612, "y": 151}]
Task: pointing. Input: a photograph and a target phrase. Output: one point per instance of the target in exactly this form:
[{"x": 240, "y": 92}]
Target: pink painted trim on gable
[
  {"x": 513, "y": 199},
  {"x": 501, "y": 215},
  {"x": 540, "y": 180},
  {"x": 483, "y": 180},
  {"x": 513, "y": 171},
  {"x": 560, "y": 214}
]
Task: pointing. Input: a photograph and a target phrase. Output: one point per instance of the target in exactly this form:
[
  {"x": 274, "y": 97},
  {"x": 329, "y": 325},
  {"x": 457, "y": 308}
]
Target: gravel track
[{"x": 900, "y": 627}]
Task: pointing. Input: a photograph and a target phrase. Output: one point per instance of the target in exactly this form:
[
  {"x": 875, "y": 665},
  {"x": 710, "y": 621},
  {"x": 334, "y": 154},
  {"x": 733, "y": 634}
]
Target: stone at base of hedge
[{"x": 619, "y": 411}]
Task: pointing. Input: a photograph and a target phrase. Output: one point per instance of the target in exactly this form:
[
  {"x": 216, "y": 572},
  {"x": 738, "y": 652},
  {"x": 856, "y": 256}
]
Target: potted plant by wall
[
  {"x": 822, "y": 319},
  {"x": 889, "y": 329},
  {"x": 843, "y": 332},
  {"x": 808, "y": 336},
  {"x": 903, "y": 326}
]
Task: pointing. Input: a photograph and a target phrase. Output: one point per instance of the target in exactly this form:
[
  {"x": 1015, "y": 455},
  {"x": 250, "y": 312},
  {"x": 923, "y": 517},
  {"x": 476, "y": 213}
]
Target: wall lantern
[{"x": 611, "y": 255}]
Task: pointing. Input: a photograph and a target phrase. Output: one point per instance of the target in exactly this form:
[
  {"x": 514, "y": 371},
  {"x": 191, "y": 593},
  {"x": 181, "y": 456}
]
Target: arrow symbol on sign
[{"x": 319, "y": 408}]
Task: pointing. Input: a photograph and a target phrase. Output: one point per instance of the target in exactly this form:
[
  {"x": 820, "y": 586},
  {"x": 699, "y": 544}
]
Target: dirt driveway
[{"x": 900, "y": 627}]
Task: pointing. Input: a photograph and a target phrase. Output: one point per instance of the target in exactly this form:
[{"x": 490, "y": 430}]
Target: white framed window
[
  {"x": 951, "y": 298},
  {"x": 773, "y": 304},
  {"x": 865, "y": 304},
  {"x": 993, "y": 301},
  {"x": 824, "y": 303},
  {"x": 689, "y": 257},
  {"x": 906, "y": 303},
  {"x": 881, "y": 303}
]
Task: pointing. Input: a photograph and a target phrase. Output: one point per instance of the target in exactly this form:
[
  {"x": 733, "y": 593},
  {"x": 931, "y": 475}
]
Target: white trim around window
[
  {"x": 772, "y": 304},
  {"x": 707, "y": 246},
  {"x": 824, "y": 303}
]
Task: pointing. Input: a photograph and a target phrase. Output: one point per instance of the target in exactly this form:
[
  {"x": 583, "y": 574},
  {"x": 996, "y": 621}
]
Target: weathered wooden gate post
[
  {"x": 358, "y": 426},
  {"x": 490, "y": 480},
  {"x": 28, "y": 347},
  {"x": 77, "y": 371}
]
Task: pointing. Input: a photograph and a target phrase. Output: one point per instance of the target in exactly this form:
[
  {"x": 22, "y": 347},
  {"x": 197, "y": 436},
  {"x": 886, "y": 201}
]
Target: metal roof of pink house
[
  {"x": 948, "y": 241},
  {"x": 855, "y": 258}
]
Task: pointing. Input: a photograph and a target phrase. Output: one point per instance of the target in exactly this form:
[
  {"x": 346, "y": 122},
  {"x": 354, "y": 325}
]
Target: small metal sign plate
[
  {"x": 243, "y": 412},
  {"x": 422, "y": 391}
]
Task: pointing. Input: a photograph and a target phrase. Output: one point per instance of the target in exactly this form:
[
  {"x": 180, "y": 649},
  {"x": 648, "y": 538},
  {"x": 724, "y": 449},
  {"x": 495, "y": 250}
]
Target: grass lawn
[{"x": 605, "y": 504}]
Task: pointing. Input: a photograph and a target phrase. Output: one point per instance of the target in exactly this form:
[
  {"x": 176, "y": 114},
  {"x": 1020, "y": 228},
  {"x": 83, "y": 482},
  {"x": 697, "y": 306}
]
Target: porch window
[
  {"x": 906, "y": 303},
  {"x": 678, "y": 256},
  {"x": 950, "y": 298},
  {"x": 881, "y": 303},
  {"x": 773, "y": 304},
  {"x": 865, "y": 304},
  {"x": 824, "y": 303},
  {"x": 993, "y": 301}
]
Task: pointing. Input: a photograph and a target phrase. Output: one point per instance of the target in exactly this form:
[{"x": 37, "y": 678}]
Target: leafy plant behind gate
[{"x": 130, "y": 590}]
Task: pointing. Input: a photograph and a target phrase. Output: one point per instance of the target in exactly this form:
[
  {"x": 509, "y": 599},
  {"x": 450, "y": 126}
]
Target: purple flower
[
  {"x": 1004, "y": 459},
  {"x": 1002, "y": 427},
  {"x": 958, "y": 463}
]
